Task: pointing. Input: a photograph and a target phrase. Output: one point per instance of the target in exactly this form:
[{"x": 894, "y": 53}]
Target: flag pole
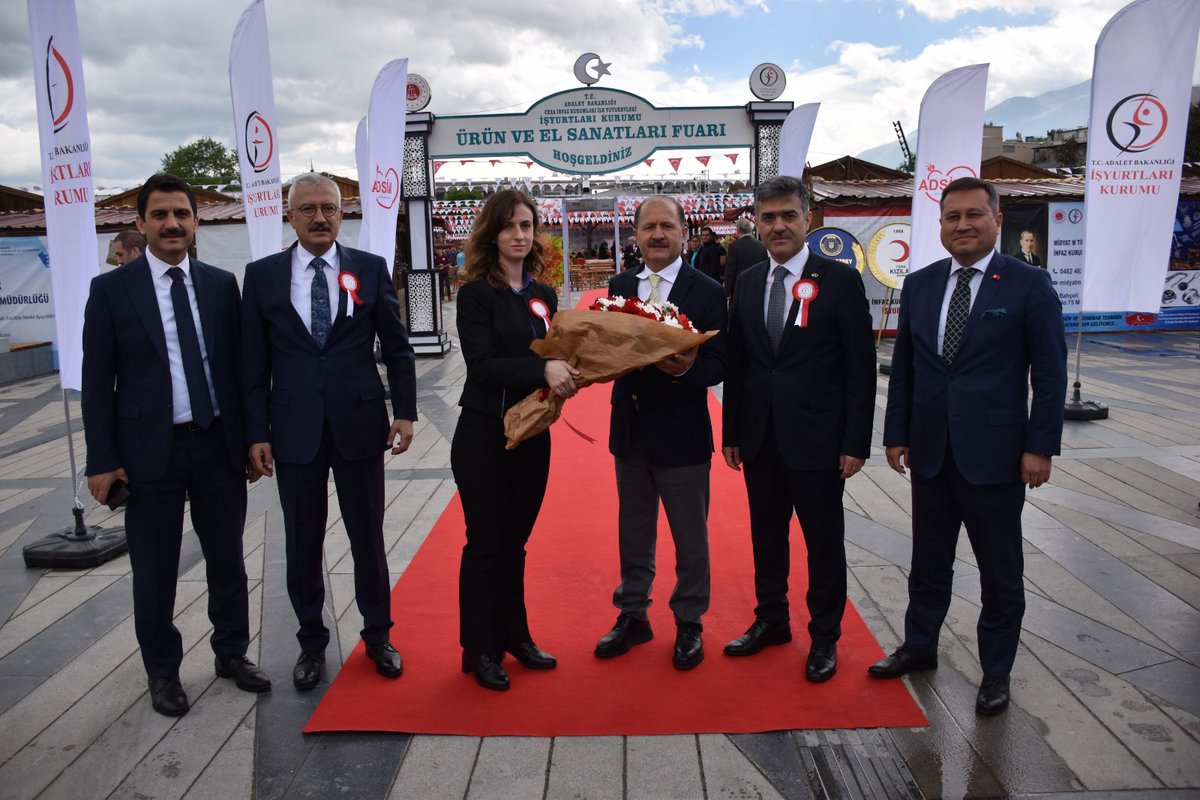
[{"x": 1075, "y": 408}]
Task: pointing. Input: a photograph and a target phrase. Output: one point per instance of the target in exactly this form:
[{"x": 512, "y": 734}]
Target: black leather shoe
[
  {"x": 821, "y": 663},
  {"x": 993, "y": 696},
  {"x": 488, "y": 672},
  {"x": 167, "y": 697},
  {"x": 689, "y": 650},
  {"x": 387, "y": 661},
  {"x": 245, "y": 674},
  {"x": 762, "y": 633},
  {"x": 628, "y": 632},
  {"x": 308, "y": 669},
  {"x": 533, "y": 657},
  {"x": 900, "y": 663}
]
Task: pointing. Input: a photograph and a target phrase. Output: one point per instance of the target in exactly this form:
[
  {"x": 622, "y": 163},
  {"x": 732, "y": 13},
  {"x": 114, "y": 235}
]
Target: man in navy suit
[
  {"x": 162, "y": 412},
  {"x": 661, "y": 436},
  {"x": 798, "y": 407},
  {"x": 315, "y": 403},
  {"x": 975, "y": 332}
]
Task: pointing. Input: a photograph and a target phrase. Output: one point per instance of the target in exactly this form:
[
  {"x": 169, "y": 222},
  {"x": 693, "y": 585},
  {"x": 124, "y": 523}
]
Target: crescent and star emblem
[{"x": 585, "y": 75}]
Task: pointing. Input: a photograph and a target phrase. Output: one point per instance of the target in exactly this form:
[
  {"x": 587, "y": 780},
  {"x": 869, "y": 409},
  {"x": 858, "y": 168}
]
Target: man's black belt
[{"x": 191, "y": 427}]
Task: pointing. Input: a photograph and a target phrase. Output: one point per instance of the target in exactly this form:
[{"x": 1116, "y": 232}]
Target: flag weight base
[
  {"x": 79, "y": 547},
  {"x": 1083, "y": 410}
]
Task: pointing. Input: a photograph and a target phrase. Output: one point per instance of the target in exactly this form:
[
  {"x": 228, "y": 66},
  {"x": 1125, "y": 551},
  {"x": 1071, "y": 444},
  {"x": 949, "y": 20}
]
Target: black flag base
[
  {"x": 80, "y": 547},
  {"x": 1076, "y": 409},
  {"x": 885, "y": 368}
]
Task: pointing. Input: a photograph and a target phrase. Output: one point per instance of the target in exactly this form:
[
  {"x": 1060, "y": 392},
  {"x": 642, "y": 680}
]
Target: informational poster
[
  {"x": 883, "y": 233},
  {"x": 26, "y": 307}
]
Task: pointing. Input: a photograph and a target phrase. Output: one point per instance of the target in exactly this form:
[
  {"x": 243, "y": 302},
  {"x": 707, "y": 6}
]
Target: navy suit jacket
[
  {"x": 127, "y": 400},
  {"x": 293, "y": 388},
  {"x": 818, "y": 388},
  {"x": 672, "y": 412},
  {"x": 980, "y": 402}
]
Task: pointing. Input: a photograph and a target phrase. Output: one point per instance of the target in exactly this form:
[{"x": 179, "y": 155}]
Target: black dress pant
[
  {"x": 304, "y": 497},
  {"x": 992, "y": 515},
  {"x": 501, "y": 492},
  {"x": 774, "y": 492},
  {"x": 199, "y": 468}
]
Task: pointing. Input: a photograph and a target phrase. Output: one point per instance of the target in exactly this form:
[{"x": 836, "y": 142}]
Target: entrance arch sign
[{"x": 591, "y": 131}]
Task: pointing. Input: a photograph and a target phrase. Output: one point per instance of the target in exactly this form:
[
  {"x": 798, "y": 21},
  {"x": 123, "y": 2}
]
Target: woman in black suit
[{"x": 501, "y": 309}]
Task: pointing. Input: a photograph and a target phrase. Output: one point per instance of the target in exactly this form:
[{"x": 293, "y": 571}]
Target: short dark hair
[
  {"x": 969, "y": 185},
  {"x": 638, "y": 211},
  {"x": 163, "y": 182},
  {"x": 781, "y": 187},
  {"x": 130, "y": 240},
  {"x": 1030, "y": 231},
  {"x": 708, "y": 229}
]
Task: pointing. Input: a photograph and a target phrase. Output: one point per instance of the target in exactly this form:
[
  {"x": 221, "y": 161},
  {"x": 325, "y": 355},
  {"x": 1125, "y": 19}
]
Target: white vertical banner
[
  {"x": 949, "y": 146},
  {"x": 364, "y": 177},
  {"x": 385, "y": 157},
  {"x": 795, "y": 137},
  {"x": 1141, "y": 85},
  {"x": 66, "y": 174},
  {"x": 254, "y": 126}
]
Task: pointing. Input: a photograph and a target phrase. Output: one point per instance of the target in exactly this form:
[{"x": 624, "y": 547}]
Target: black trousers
[
  {"x": 304, "y": 497},
  {"x": 992, "y": 515},
  {"x": 501, "y": 492},
  {"x": 774, "y": 492},
  {"x": 200, "y": 468}
]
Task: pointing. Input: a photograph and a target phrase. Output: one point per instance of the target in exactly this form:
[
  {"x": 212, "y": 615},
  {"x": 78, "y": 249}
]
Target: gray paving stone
[
  {"x": 231, "y": 772},
  {"x": 729, "y": 774},
  {"x": 510, "y": 768},
  {"x": 1178, "y": 532},
  {"x": 436, "y": 767},
  {"x": 777, "y": 756},
  {"x": 1176, "y": 682},
  {"x": 586, "y": 768},
  {"x": 662, "y": 768}
]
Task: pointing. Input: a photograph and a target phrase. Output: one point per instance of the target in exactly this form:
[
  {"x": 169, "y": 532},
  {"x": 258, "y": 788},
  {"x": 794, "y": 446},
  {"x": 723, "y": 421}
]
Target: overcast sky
[{"x": 156, "y": 72}]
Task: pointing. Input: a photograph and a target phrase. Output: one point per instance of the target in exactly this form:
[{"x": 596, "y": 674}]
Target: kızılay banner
[{"x": 590, "y": 131}]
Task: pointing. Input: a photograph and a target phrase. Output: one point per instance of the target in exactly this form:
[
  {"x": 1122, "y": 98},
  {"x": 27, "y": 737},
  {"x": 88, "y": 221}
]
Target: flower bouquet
[{"x": 628, "y": 335}]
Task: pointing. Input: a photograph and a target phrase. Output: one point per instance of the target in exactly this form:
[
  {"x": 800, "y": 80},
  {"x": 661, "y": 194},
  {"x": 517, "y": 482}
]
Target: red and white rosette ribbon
[
  {"x": 805, "y": 291},
  {"x": 349, "y": 282},
  {"x": 540, "y": 310}
]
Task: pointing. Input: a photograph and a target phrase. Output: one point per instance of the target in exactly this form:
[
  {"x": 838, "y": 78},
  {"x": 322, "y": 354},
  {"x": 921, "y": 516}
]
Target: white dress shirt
[
  {"x": 976, "y": 282},
  {"x": 181, "y": 402},
  {"x": 795, "y": 268},
  {"x": 667, "y": 277},
  {"x": 302, "y": 277}
]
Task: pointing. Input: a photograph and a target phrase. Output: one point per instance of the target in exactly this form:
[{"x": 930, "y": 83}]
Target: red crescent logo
[
  {"x": 904, "y": 248},
  {"x": 60, "y": 120}
]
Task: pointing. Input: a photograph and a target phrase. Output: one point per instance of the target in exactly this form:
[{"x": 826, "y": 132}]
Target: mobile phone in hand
[{"x": 118, "y": 493}]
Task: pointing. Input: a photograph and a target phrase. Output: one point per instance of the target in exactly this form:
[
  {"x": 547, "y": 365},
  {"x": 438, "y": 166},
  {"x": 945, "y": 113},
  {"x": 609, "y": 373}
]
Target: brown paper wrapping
[{"x": 603, "y": 346}]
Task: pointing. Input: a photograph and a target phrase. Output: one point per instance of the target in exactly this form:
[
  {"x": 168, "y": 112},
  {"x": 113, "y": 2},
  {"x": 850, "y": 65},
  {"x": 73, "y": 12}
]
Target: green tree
[
  {"x": 203, "y": 161},
  {"x": 1191, "y": 147},
  {"x": 464, "y": 194},
  {"x": 1070, "y": 153}
]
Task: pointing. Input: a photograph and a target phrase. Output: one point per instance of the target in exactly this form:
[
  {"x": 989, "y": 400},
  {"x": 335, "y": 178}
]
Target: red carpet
[{"x": 572, "y": 569}]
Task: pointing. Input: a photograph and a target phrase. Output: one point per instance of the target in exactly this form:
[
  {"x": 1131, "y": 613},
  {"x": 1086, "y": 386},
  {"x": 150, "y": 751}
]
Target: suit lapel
[
  {"x": 925, "y": 325},
  {"x": 206, "y": 299},
  {"x": 139, "y": 282},
  {"x": 346, "y": 263},
  {"x": 993, "y": 276},
  {"x": 752, "y": 308},
  {"x": 814, "y": 271},
  {"x": 681, "y": 287},
  {"x": 279, "y": 281}
]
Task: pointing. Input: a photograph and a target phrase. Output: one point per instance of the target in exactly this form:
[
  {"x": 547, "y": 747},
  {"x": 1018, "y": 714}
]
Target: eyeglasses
[{"x": 327, "y": 210}]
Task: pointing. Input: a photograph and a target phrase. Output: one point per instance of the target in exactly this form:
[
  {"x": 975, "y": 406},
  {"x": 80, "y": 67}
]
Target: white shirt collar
[
  {"x": 306, "y": 257},
  {"x": 668, "y": 273},
  {"x": 794, "y": 265},
  {"x": 980, "y": 265},
  {"x": 159, "y": 268}
]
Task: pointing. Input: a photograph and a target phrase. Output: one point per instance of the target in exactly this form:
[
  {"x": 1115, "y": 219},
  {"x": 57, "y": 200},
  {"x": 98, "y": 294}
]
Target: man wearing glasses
[{"x": 315, "y": 403}]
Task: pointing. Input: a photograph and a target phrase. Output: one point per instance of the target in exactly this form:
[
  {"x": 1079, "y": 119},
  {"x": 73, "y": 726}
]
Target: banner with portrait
[{"x": 882, "y": 234}]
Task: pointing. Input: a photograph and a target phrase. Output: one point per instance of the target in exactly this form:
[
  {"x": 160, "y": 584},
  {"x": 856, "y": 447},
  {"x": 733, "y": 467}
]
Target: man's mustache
[{"x": 319, "y": 226}]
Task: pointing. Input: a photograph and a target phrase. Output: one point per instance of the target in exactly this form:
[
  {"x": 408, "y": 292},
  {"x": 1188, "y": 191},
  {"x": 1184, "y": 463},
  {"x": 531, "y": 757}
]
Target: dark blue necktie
[
  {"x": 189, "y": 345},
  {"x": 320, "y": 302},
  {"x": 957, "y": 313}
]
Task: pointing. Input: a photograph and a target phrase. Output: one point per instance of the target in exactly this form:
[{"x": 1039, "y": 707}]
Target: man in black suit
[
  {"x": 744, "y": 252},
  {"x": 975, "y": 331},
  {"x": 797, "y": 410},
  {"x": 1028, "y": 252},
  {"x": 661, "y": 436},
  {"x": 126, "y": 246},
  {"x": 315, "y": 403},
  {"x": 711, "y": 258},
  {"x": 162, "y": 412}
]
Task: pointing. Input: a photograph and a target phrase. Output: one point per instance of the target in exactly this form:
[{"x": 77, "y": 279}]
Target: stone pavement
[{"x": 1106, "y": 689}]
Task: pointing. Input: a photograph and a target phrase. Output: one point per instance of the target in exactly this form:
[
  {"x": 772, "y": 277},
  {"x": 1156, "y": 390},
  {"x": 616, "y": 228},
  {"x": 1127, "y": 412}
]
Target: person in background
[
  {"x": 711, "y": 259},
  {"x": 501, "y": 309},
  {"x": 128, "y": 245},
  {"x": 744, "y": 252},
  {"x": 693, "y": 250}
]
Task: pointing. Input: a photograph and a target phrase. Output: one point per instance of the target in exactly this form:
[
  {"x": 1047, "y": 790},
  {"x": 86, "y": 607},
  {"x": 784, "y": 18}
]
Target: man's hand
[
  {"x": 404, "y": 429},
  {"x": 261, "y": 460},
  {"x": 99, "y": 485},
  {"x": 676, "y": 365},
  {"x": 897, "y": 458},
  {"x": 849, "y": 465},
  {"x": 1035, "y": 469},
  {"x": 252, "y": 473},
  {"x": 733, "y": 457}
]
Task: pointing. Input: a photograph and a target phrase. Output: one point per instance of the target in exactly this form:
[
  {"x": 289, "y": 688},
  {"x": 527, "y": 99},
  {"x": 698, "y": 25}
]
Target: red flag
[
  {"x": 732, "y": 157},
  {"x": 649, "y": 162},
  {"x": 467, "y": 161},
  {"x": 703, "y": 159},
  {"x": 493, "y": 161},
  {"x": 527, "y": 164},
  {"x": 437, "y": 165},
  {"x": 675, "y": 162}
]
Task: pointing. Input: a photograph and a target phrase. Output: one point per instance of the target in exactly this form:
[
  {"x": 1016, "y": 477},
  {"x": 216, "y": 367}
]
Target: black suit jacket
[
  {"x": 980, "y": 402},
  {"x": 672, "y": 413},
  {"x": 127, "y": 401},
  {"x": 293, "y": 388},
  {"x": 1033, "y": 259},
  {"x": 818, "y": 389},
  {"x": 744, "y": 252}
]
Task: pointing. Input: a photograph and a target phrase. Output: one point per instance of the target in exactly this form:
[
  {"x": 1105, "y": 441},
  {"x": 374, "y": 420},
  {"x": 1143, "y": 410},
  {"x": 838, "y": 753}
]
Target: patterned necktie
[
  {"x": 654, "y": 281},
  {"x": 320, "y": 302},
  {"x": 775, "y": 306},
  {"x": 957, "y": 313},
  {"x": 189, "y": 346}
]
